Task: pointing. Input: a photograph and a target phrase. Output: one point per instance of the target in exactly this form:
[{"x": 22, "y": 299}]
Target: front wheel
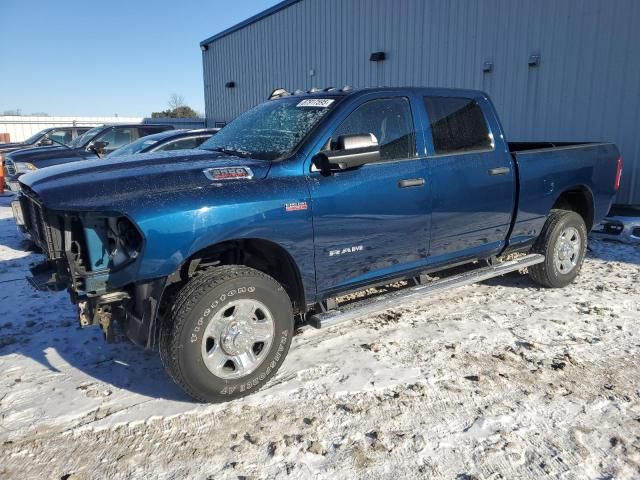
[
  {"x": 563, "y": 242},
  {"x": 227, "y": 333}
]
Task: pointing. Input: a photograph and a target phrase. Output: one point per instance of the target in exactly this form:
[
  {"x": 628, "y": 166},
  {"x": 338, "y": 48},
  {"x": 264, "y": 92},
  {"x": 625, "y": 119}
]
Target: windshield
[
  {"x": 272, "y": 130},
  {"x": 133, "y": 148},
  {"x": 85, "y": 137},
  {"x": 34, "y": 138}
]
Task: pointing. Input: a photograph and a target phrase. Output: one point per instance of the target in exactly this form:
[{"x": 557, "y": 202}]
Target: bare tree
[{"x": 176, "y": 101}]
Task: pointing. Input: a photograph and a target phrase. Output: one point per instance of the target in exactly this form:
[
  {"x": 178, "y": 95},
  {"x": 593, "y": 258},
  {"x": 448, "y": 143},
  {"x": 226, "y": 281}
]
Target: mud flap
[{"x": 142, "y": 325}]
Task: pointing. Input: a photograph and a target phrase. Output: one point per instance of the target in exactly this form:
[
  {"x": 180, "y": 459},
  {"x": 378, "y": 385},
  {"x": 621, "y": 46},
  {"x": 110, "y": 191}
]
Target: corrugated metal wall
[{"x": 587, "y": 86}]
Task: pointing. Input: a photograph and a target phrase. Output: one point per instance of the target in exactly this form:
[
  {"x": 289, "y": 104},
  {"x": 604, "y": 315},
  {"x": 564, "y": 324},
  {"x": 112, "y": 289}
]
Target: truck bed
[
  {"x": 515, "y": 147},
  {"x": 548, "y": 169}
]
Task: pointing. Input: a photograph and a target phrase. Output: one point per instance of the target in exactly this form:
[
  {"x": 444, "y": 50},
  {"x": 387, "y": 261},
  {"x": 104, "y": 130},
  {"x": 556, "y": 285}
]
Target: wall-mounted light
[
  {"x": 487, "y": 67},
  {"x": 377, "y": 57},
  {"x": 534, "y": 60},
  {"x": 230, "y": 85},
  {"x": 312, "y": 72},
  {"x": 204, "y": 48}
]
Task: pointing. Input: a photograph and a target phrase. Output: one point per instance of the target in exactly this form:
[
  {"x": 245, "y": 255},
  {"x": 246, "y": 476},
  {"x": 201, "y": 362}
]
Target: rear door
[
  {"x": 472, "y": 177},
  {"x": 373, "y": 220}
]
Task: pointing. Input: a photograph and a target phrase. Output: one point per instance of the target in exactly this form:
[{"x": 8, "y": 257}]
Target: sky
[{"x": 124, "y": 57}]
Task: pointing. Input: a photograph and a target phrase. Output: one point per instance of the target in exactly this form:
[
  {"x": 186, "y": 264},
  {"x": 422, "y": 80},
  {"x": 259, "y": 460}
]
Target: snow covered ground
[{"x": 496, "y": 380}]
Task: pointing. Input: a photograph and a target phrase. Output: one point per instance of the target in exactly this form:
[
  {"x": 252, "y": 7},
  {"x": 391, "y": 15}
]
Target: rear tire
[
  {"x": 227, "y": 333},
  {"x": 563, "y": 242}
]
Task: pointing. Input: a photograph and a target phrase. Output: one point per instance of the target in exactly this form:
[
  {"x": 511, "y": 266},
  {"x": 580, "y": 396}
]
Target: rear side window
[
  {"x": 457, "y": 125},
  {"x": 144, "y": 131},
  {"x": 390, "y": 120},
  {"x": 182, "y": 144}
]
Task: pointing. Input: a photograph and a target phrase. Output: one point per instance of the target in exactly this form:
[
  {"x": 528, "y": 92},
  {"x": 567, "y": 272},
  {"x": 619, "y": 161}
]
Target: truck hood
[
  {"x": 117, "y": 184},
  {"x": 36, "y": 154}
]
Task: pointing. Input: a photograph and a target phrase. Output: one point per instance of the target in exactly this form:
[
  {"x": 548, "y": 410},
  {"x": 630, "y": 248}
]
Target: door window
[
  {"x": 390, "y": 120},
  {"x": 457, "y": 125},
  {"x": 61, "y": 136},
  {"x": 117, "y": 137}
]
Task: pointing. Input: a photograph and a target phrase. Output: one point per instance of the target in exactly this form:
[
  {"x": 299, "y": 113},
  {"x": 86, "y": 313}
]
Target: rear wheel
[
  {"x": 563, "y": 242},
  {"x": 227, "y": 333}
]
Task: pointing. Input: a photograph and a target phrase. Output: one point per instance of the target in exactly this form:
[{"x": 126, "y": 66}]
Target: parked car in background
[
  {"x": 301, "y": 200},
  {"x": 166, "y": 141},
  {"x": 44, "y": 138},
  {"x": 95, "y": 143}
]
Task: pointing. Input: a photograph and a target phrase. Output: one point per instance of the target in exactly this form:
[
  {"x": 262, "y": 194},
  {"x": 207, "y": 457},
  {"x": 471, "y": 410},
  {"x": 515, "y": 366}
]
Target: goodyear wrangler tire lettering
[{"x": 207, "y": 297}]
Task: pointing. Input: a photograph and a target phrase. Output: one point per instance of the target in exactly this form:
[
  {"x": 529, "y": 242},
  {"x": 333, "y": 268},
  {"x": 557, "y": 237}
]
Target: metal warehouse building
[{"x": 563, "y": 70}]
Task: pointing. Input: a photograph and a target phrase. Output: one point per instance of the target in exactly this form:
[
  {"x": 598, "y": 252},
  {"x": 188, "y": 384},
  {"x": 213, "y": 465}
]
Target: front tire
[
  {"x": 563, "y": 242},
  {"x": 226, "y": 333}
]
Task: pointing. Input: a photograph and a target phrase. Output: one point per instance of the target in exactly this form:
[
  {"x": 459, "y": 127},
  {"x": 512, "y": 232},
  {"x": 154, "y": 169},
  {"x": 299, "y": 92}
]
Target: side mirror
[
  {"x": 45, "y": 142},
  {"x": 349, "y": 151},
  {"x": 98, "y": 147}
]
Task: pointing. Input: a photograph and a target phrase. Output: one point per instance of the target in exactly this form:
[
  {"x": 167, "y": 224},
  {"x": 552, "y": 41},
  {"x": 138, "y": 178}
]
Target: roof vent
[{"x": 279, "y": 93}]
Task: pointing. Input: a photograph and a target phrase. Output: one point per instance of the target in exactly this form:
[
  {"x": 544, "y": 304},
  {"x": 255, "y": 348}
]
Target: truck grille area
[{"x": 38, "y": 223}]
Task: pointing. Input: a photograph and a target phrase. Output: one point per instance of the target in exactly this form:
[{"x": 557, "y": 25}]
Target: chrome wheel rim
[
  {"x": 237, "y": 339},
  {"x": 567, "y": 250}
]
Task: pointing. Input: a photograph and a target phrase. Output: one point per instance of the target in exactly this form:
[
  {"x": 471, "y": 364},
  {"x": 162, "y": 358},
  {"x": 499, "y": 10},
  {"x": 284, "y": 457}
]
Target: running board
[{"x": 374, "y": 305}]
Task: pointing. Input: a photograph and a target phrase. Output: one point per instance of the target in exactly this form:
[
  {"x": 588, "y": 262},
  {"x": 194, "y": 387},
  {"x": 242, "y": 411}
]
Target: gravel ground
[{"x": 497, "y": 380}]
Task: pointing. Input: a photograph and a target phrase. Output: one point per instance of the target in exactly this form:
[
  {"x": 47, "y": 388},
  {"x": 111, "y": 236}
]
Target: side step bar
[{"x": 377, "y": 304}]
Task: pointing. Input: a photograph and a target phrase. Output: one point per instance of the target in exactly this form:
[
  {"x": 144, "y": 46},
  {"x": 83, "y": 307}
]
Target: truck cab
[{"x": 46, "y": 138}]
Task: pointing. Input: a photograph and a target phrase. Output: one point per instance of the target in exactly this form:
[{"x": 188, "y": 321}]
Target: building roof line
[{"x": 256, "y": 18}]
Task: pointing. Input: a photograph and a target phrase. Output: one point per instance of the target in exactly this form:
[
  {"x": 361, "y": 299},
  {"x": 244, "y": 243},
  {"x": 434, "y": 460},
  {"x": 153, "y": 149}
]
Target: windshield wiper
[{"x": 230, "y": 151}]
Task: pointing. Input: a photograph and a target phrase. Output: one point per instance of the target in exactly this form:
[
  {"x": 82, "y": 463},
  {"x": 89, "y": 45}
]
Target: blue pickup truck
[{"x": 215, "y": 258}]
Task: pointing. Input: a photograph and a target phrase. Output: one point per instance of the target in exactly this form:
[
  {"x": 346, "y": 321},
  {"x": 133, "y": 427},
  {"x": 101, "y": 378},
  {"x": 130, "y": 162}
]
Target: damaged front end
[{"x": 93, "y": 256}]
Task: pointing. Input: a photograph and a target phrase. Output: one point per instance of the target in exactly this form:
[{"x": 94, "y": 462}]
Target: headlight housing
[
  {"x": 109, "y": 242},
  {"x": 24, "y": 167}
]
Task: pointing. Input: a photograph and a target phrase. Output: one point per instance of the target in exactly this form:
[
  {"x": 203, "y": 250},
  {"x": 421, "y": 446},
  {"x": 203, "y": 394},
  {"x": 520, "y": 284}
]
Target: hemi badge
[{"x": 294, "y": 207}]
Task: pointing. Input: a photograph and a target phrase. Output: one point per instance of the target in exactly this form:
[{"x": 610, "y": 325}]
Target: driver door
[{"x": 373, "y": 220}]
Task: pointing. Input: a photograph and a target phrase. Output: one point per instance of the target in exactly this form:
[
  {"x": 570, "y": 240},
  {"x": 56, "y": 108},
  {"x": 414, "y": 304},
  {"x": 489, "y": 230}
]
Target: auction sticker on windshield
[{"x": 316, "y": 102}]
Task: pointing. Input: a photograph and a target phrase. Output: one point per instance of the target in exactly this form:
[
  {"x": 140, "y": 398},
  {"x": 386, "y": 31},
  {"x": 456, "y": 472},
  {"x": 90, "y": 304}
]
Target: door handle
[
  {"x": 411, "y": 182},
  {"x": 499, "y": 171}
]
